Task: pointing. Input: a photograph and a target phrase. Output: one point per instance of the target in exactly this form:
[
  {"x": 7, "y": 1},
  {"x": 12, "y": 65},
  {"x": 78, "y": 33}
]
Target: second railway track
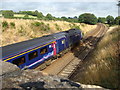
[{"x": 68, "y": 70}]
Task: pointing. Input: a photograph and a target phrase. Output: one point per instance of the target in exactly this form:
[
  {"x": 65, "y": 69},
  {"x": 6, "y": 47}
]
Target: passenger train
[{"x": 40, "y": 51}]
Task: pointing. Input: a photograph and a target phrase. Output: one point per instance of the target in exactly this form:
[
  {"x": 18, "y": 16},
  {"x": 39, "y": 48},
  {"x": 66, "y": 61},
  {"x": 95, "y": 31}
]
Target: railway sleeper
[
  {"x": 63, "y": 52},
  {"x": 48, "y": 62},
  {"x": 42, "y": 66}
]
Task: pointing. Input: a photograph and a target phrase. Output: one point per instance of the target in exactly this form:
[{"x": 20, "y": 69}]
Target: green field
[{"x": 22, "y": 15}]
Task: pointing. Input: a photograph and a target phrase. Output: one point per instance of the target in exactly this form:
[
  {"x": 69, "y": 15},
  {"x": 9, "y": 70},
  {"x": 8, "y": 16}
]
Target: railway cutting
[{"x": 68, "y": 64}]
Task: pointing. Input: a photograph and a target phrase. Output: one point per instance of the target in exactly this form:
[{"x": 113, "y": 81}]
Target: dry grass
[
  {"x": 24, "y": 30},
  {"x": 102, "y": 66}
]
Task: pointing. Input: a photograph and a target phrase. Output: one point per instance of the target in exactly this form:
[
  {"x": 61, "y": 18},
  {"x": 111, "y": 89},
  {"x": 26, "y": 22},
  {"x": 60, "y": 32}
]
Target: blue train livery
[{"x": 32, "y": 53}]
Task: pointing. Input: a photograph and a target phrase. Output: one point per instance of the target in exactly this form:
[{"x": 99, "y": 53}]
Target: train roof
[
  {"x": 73, "y": 31},
  {"x": 25, "y": 45},
  {"x": 59, "y": 35}
]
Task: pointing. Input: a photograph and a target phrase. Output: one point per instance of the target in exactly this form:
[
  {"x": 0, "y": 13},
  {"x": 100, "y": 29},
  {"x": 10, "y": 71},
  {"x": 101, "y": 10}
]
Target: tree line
[{"x": 87, "y": 18}]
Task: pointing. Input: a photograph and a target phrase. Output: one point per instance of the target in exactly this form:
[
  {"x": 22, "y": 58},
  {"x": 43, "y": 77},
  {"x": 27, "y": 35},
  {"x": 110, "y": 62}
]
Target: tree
[
  {"x": 118, "y": 4},
  {"x": 75, "y": 17},
  {"x": 35, "y": 13},
  {"x": 64, "y": 18},
  {"x": 87, "y": 18},
  {"x": 117, "y": 20},
  {"x": 110, "y": 20},
  {"x": 26, "y": 16},
  {"x": 49, "y": 17},
  {"x": 101, "y": 19},
  {"x": 40, "y": 15},
  {"x": 27, "y": 12},
  {"x": 8, "y": 13}
]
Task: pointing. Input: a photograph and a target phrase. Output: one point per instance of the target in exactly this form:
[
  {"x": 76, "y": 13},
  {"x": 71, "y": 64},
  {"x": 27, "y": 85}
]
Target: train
[{"x": 42, "y": 50}]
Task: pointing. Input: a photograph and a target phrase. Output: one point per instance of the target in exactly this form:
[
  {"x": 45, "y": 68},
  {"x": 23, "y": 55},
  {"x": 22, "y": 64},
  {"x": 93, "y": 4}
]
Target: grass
[
  {"x": 20, "y": 29},
  {"x": 102, "y": 67}
]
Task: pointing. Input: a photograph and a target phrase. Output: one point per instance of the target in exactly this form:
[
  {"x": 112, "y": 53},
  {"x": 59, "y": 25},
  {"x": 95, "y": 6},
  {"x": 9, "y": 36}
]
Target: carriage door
[{"x": 63, "y": 44}]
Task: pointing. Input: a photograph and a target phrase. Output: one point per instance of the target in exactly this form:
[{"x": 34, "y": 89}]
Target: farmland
[{"x": 22, "y": 15}]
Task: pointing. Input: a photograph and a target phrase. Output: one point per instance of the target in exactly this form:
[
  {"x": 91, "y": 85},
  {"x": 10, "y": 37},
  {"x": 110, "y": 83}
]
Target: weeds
[
  {"x": 57, "y": 26},
  {"x": 37, "y": 24},
  {"x": 5, "y": 24},
  {"x": 12, "y": 24},
  {"x": 74, "y": 26}
]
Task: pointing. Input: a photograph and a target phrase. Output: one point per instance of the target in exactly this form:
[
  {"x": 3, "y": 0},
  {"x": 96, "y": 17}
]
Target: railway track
[
  {"x": 67, "y": 65},
  {"x": 76, "y": 62}
]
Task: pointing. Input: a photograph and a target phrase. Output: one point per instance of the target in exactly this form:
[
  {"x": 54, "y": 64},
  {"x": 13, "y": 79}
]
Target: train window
[
  {"x": 19, "y": 61},
  {"x": 63, "y": 41},
  {"x": 43, "y": 50},
  {"x": 33, "y": 55}
]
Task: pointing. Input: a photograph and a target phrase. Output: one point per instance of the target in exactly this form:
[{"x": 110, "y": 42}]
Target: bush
[
  {"x": 5, "y": 24},
  {"x": 12, "y": 24},
  {"x": 36, "y": 24},
  {"x": 57, "y": 27},
  {"x": 74, "y": 26}
]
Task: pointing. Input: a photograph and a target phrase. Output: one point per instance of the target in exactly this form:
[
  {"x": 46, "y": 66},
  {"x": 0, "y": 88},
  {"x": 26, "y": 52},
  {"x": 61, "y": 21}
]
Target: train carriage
[
  {"x": 74, "y": 36},
  {"x": 30, "y": 53},
  {"x": 40, "y": 51},
  {"x": 61, "y": 41}
]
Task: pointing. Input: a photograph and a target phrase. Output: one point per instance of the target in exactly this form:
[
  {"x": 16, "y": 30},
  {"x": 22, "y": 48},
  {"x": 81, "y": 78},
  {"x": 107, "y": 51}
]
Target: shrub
[
  {"x": 36, "y": 24},
  {"x": 57, "y": 27},
  {"x": 5, "y": 24},
  {"x": 12, "y": 24},
  {"x": 75, "y": 26}
]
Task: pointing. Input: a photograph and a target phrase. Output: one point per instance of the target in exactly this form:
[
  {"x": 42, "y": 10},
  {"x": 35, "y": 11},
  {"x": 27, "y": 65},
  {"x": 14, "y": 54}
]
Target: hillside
[
  {"x": 102, "y": 67},
  {"x": 17, "y": 30}
]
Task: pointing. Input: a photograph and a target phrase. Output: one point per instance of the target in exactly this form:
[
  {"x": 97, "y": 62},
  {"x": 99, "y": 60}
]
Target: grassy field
[
  {"x": 102, "y": 67},
  {"x": 17, "y": 30},
  {"x": 22, "y": 15}
]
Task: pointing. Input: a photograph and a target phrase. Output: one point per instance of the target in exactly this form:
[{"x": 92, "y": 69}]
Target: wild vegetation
[
  {"x": 102, "y": 67},
  {"x": 17, "y": 30}
]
